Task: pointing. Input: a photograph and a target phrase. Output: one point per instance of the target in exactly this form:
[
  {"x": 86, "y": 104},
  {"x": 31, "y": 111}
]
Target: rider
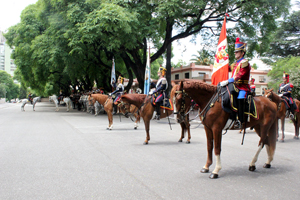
[
  {"x": 159, "y": 92},
  {"x": 240, "y": 76},
  {"x": 285, "y": 89},
  {"x": 118, "y": 92},
  {"x": 252, "y": 86},
  {"x": 30, "y": 97}
]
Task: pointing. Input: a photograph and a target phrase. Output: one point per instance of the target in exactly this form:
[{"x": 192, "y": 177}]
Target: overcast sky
[{"x": 10, "y": 12}]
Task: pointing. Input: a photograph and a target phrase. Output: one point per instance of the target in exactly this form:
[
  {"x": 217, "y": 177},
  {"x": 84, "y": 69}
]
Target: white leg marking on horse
[
  {"x": 218, "y": 165},
  {"x": 256, "y": 155},
  {"x": 270, "y": 158}
]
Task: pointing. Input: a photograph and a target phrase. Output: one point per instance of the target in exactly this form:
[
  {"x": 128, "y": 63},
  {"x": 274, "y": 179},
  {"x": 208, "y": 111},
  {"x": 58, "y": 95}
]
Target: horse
[
  {"x": 25, "y": 101},
  {"x": 68, "y": 102},
  {"x": 55, "y": 100},
  {"x": 214, "y": 119},
  {"x": 182, "y": 118},
  {"x": 107, "y": 103},
  {"x": 281, "y": 112},
  {"x": 131, "y": 103}
]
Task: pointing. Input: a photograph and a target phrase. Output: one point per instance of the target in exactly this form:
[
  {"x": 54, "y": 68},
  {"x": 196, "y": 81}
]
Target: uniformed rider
[
  {"x": 252, "y": 86},
  {"x": 240, "y": 76},
  {"x": 117, "y": 93},
  {"x": 285, "y": 89},
  {"x": 160, "y": 88}
]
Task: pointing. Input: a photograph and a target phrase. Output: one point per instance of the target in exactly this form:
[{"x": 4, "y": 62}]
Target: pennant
[
  {"x": 221, "y": 64},
  {"x": 147, "y": 75},
  {"x": 113, "y": 73}
]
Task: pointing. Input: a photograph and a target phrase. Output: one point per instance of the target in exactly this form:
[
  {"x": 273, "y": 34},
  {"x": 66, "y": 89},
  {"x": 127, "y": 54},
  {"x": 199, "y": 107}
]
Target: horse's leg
[
  {"x": 271, "y": 144},
  {"x": 282, "y": 129},
  {"x": 296, "y": 123},
  {"x": 209, "y": 140},
  {"x": 217, "y": 145},
  {"x": 182, "y": 124},
  {"x": 254, "y": 159},
  {"x": 147, "y": 128},
  {"x": 33, "y": 106},
  {"x": 189, "y": 133}
]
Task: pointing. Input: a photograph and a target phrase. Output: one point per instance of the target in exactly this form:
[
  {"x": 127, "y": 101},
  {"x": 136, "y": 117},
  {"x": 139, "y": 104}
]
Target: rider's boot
[
  {"x": 115, "y": 108},
  {"x": 157, "y": 109},
  {"x": 241, "y": 110},
  {"x": 292, "y": 112}
]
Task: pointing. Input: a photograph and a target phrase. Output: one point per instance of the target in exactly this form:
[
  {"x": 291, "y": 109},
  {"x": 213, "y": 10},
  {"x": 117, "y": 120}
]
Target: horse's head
[
  {"x": 269, "y": 93},
  {"x": 182, "y": 102}
]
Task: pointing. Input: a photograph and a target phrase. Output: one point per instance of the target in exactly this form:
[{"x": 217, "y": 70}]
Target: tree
[
  {"x": 286, "y": 38},
  {"x": 8, "y": 86},
  {"x": 204, "y": 57},
  {"x": 65, "y": 43}
]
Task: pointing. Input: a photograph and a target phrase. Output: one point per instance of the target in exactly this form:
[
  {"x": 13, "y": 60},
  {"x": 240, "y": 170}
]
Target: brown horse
[
  {"x": 215, "y": 120},
  {"x": 181, "y": 109},
  {"x": 107, "y": 105},
  {"x": 281, "y": 112}
]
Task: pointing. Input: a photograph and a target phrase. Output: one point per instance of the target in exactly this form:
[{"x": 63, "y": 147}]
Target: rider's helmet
[
  {"x": 240, "y": 46},
  {"x": 162, "y": 70},
  {"x": 286, "y": 76},
  {"x": 121, "y": 79}
]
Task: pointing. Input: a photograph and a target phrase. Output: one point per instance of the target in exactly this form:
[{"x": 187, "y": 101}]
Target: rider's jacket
[
  {"x": 285, "y": 89},
  {"x": 241, "y": 73},
  {"x": 119, "y": 90},
  {"x": 161, "y": 85}
]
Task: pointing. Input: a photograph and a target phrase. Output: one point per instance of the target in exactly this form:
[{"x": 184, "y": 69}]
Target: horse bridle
[{"x": 181, "y": 112}]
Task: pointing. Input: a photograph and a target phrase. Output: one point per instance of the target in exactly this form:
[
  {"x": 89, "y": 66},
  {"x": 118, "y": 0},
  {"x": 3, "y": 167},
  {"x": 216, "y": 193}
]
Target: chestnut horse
[
  {"x": 215, "y": 120},
  {"x": 281, "y": 112},
  {"x": 182, "y": 109},
  {"x": 146, "y": 109}
]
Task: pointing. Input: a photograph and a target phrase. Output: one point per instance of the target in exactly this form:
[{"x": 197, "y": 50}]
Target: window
[
  {"x": 201, "y": 76},
  {"x": 261, "y": 79},
  {"x": 187, "y": 75},
  {"x": 176, "y": 76}
]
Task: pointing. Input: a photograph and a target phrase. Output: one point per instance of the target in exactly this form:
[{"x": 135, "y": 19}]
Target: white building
[{"x": 6, "y": 63}]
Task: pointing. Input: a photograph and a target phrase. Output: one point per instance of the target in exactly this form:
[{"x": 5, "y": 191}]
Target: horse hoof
[
  {"x": 180, "y": 140},
  {"x": 145, "y": 143},
  {"x": 267, "y": 165},
  {"x": 135, "y": 128},
  {"x": 213, "y": 176},
  {"x": 203, "y": 170},
  {"x": 188, "y": 142},
  {"x": 281, "y": 140},
  {"x": 252, "y": 168},
  {"x": 296, "y": 137}
]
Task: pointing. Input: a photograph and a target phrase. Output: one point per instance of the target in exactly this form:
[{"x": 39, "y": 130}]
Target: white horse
[
  {"x": 25, "y": 101},
  {"x": 98, "y": 108},
  {"x": 54, "y": 99},
  {"x": 68, "y": 102}
]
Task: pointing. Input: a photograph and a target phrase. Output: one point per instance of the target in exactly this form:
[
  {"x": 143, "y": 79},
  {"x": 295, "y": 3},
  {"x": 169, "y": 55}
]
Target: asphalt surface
[{"x": 70, "y": 155}]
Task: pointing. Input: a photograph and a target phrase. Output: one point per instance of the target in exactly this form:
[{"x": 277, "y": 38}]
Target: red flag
[{"x": 220, "y": 68}]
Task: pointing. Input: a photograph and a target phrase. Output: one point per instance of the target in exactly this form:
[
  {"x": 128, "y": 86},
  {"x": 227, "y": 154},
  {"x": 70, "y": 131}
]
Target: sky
[{"x": 183, "y": 49}]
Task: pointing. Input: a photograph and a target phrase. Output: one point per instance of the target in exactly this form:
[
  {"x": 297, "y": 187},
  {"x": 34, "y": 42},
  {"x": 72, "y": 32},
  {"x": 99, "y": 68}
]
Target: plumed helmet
[
  {"x": 162, "y": 70},
  {"x": 121, "y": 78},
  {"x": 287, "y": 76},
  {"x": 240, "y": 46}
]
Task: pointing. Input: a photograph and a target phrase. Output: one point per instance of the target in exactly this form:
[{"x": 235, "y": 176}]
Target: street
[{"x": 70, "y": 155}]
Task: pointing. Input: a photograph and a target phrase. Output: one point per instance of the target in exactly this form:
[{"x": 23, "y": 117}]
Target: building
[
  {"x": 203, "y": 72},
  {"x": 6, "y": 63}
]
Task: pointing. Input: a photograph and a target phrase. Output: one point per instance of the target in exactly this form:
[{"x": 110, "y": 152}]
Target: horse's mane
[
  {"x": 134, "y": 98},
  {"x": 197, "y": 84}
]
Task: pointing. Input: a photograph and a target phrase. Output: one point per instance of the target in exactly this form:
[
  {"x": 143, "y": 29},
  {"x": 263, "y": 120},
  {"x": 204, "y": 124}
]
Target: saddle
[
  {"x": 288, "y": 106},
  {"x": 167, "y": 103},
  {"x": 229, "y": 102}
]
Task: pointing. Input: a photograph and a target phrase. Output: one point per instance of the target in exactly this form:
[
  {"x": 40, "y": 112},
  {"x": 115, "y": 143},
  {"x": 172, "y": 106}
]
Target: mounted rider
[
  {"x": 285, "y": 89},
  {"x": 30, "y": 97},
  {"x": 116, "y": 95},
  {"x": 240, "y": 77},
  {"x": 159, "y": 92},
  {"x": 252, "y": 86}
]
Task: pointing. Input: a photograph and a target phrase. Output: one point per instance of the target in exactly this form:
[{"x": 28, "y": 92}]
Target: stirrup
[
  {"x": 238, "y": 124},
  {"x": 292, "y": 116},
  {"x": 157, "y": 117}
]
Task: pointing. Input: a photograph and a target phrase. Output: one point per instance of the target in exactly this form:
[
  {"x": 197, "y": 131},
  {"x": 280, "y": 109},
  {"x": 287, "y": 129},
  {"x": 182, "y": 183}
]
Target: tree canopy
[
  {"x": 8, "y": 88},
  {"x": 59, "y": 43}
]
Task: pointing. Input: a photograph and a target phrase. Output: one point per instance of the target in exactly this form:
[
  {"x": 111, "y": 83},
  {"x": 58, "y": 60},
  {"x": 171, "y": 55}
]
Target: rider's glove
[{"x": 224, "y": 83}]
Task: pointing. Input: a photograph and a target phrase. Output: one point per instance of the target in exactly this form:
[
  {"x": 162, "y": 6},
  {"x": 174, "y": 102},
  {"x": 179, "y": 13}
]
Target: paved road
[{"x": 70, "y": 155}]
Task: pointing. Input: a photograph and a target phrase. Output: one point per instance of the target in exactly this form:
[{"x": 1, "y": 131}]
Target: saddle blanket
[
  {"x": 229, "y": 102},
  {"x": 167, "y": 104}
]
